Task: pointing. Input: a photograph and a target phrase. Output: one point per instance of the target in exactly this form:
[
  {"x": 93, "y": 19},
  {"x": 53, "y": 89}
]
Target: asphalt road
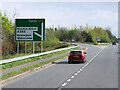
[
  {"x": 8, "y": 70},
  {"x": 100, "y": 71}
]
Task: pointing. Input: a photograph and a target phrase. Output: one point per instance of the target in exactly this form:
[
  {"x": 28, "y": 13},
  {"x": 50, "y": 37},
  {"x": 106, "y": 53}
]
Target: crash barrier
[{"x": 33, "y": 55}]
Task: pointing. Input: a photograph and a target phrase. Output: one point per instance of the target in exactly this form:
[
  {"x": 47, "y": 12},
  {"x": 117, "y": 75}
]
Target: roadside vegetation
[
  {"x": 54, "y": 39},
  {"x": 85, "y": 34},
  {"x": 28, "y": 60},
  {"x": 9, "y": 46}
]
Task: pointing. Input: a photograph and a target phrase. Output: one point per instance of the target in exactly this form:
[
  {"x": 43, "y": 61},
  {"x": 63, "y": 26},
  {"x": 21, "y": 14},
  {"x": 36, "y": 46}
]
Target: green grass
[
  {"x": 85, "y": 43},
  {"x": 92, "y": 43},
  {"x": 103, "y": 44},
  {"x": 28, "y": 60},
  {"x": 11, "y": 74}
]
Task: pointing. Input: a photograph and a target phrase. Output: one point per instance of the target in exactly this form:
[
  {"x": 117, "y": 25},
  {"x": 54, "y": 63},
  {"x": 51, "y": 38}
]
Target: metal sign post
[
  {"x": 41, "y": 48},
  {"x": 41, "y": 37},
  {"x": 18, "y": 47},
  {"x": 33, "y": 47},
  {"x": 25, "y": 47},
  {"x": 30, "y": 30}
]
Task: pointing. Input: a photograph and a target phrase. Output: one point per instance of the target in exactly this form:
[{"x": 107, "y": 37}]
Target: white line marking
[
  {"x": 68, "y": 80},
  {"x": 96, "y": 55},
  {"x": 64, "y": 84},
  {"x": 85, "y": 65},
  {"x": 72, "y": 76},
  {"x": 75, "y": 74},
  {"x": 80, "y": 69}
]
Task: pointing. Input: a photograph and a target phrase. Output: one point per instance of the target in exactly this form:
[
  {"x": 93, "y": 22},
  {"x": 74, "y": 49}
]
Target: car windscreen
[{"x": 75, "y": 52}]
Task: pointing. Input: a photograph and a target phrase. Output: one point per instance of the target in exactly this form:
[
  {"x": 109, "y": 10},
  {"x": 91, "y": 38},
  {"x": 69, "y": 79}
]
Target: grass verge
[
  {"x": 28, "y": 60},
  {"x": 103, "y": 44},
  {"x": 85, "y": 43},
  {"x": 11, "y": 74},
  {"x": 92, "y": 43}
]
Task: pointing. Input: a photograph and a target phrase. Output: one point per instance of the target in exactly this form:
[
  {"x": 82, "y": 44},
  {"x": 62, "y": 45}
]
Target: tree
[
  {"x": 7, "y": 36},
  {"x": 111, "y": 36},
  {"x": 61, "y": 34},
  {"x": 99, "y": 33}
]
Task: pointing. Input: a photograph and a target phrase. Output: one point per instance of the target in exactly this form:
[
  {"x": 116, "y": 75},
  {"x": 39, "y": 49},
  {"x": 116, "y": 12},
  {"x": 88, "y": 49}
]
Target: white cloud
[{"x": 65, "y": 15}]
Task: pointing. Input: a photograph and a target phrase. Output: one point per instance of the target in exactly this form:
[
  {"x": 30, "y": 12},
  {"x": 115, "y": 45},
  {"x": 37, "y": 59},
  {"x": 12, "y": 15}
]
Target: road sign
[
  {"x": 30, "y": 30},
  {"x": 41, "y": 43},
  {"x": 98, "y": 39}
]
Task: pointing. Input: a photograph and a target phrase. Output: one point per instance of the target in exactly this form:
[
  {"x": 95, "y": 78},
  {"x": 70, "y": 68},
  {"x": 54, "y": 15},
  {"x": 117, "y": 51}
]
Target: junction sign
[{"x": 30, "y": 30}]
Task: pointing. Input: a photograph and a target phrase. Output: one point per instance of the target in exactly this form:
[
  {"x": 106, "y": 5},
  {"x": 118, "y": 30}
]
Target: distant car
[
  {"x": 95, "y": 43},
  {"x": 77, "y": 56},
  {"x": 113, "y": 43}
]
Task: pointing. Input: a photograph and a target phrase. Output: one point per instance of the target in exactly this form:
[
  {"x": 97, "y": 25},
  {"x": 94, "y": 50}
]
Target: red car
[{"x": 77, "y": 55}]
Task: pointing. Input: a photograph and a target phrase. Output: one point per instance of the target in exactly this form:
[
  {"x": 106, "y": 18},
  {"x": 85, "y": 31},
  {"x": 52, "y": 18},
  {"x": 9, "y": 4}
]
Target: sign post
[
  {"x": 18, "y": 47},
  {"x": 25, "y": 47},
  {"x": 41, "y": 48},
  {"x": 42, "y": 36},
  {"x": 33, "y": 47},
  {"x": 32, "y": 30}
]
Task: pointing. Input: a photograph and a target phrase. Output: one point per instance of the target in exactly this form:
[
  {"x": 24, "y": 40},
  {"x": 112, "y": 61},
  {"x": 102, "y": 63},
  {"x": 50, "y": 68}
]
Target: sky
[{"x": 66, "y": 14}]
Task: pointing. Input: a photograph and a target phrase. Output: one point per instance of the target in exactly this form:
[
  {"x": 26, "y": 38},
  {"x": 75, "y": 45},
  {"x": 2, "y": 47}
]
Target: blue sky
[{"x": 103, "y": 14}]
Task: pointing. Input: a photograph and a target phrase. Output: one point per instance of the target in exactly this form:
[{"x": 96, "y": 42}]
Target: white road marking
[
  {"x": 82, "y": 68},
  {"x": 75, "y": 74},
  {"x": 96, "y": 55},
  {"x": 72, "y": 76},
  {"x": 64, "y": 84},
  {"x": 68, "y": 80},
  {"x": 85, "y": 65}
]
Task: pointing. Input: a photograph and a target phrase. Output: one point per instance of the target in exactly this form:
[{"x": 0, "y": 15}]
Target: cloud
[{"x": 67, "y": 14}]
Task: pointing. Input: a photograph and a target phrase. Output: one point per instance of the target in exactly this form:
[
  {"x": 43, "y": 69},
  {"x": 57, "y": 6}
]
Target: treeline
[
  {"x": 9, "y": 46},
  {"x": 53, "y": 37},
  {"x": 85, "y": 34}
]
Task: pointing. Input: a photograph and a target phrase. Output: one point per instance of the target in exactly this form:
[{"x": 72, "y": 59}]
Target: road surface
[{"x": 100, "y": 71}]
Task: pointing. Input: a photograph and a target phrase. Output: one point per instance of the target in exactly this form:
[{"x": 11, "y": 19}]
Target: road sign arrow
[{"x": 37, "y": 34}]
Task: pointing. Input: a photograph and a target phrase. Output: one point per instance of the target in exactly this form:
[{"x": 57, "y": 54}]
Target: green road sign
[{"x": 30, "y": 30}]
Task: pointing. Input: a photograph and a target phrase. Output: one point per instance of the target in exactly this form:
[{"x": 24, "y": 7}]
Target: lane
[
  {"x": 101, "y": 73},
  {"x": 53, "y": 76},
  {"x": 4, "y": 71}
]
